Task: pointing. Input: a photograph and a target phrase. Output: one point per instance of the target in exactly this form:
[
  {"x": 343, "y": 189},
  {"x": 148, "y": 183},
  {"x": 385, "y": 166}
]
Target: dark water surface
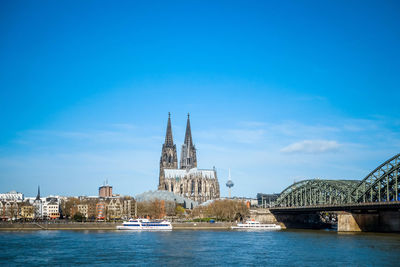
[{"x": 194, "y": 248}]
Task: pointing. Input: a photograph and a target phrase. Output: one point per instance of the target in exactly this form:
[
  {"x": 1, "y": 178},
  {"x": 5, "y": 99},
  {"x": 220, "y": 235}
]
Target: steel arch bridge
[
  {"x": 316, "y": 192},
  {"x": 381, "y": 185}
]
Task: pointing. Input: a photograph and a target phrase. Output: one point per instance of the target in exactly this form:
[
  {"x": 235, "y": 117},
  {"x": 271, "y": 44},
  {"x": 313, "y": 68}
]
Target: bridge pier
[
  {"x": 300, "y": 221},
  {"x": 309, "y": 220},
  {"x": 369, "y": 221}
]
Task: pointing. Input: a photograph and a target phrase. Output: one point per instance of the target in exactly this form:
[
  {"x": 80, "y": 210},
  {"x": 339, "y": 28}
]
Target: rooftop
[
  {"x": 179, "y": 173},
  {"x": 166, "y": 196}
]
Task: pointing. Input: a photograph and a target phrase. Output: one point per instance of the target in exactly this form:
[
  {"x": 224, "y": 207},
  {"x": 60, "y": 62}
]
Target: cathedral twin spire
[
  {"x": 188, "y": 154},
  {"x": 169, "y": 141},
  {"x": 188, "y": 133},
  {"x": 185, "y": 180}
]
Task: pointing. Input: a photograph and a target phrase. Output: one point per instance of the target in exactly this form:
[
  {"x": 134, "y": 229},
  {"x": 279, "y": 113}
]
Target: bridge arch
[
  {"x": 316, "y": 192},
  {"x": 381, "y": 185}
]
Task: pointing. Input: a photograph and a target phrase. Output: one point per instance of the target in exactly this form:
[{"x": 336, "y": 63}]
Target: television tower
[{"x": 229, "y": 184}]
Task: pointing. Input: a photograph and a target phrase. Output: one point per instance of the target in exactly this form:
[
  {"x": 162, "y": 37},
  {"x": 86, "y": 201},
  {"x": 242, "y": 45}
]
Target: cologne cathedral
[{"x": 187, "y": 180}]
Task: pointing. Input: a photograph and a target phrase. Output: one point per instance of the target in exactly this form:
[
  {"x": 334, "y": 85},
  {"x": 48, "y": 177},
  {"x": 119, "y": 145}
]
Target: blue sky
[{"x": 278, "y": 91}]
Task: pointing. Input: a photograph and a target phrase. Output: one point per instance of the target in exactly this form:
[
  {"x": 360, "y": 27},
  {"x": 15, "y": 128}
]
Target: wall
[{"x": 369, "y": 221}]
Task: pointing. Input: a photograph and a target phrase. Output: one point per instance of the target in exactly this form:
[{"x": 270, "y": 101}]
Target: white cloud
[{"x": 311, "y": 146}]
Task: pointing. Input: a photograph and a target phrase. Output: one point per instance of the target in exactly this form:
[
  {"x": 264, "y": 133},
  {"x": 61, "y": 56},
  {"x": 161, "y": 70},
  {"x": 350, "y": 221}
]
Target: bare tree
[{"x": 225, "y": 210}]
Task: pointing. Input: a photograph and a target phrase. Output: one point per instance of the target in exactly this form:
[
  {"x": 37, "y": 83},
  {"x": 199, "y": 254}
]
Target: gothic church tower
[
  {"x": 187, "y": 181},
  {"x": 188, "y": 155},
  {"x": 169, "y": 158}
]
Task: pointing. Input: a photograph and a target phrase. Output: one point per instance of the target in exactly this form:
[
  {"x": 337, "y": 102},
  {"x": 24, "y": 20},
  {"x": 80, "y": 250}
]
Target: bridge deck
[{"x": 393, "y": 205}]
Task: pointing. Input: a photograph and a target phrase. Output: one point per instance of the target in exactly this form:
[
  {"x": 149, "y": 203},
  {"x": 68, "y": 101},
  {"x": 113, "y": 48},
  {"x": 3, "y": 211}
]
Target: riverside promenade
[{"x": 32, "y": 226}]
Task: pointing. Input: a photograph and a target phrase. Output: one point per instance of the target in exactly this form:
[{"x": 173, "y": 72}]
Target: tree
[
  {"x": 225, "y": 210},
  {"x": 155, "y": 209},
  {"x": 179, "y": 210},
  {"x": 78, "y": 217},
  {"x": 67, "y": 207}
]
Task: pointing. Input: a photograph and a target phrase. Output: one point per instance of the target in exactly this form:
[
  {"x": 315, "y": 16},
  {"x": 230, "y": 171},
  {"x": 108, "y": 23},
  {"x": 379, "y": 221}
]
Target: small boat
[
  {"x": 145, "y": 225},
  {"x": 255, "y": 225}
]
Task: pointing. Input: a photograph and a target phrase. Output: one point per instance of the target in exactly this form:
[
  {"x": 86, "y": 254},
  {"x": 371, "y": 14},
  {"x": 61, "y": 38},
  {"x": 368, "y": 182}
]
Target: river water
[{"x": 199, "y": 248}]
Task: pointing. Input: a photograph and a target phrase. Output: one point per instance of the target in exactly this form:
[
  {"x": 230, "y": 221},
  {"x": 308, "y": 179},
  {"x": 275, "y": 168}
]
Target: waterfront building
[
  {"x": 101, "y": 211},
  {"x": 105, "y": 191},
  {"x": 27, "y": 212},
  {"x": 91, "y": 209},
  {"x": 114, "y": 209},
  {"x": 44, "y": 210},
  {"x": 84, "y": 210},
  {"x": 50, "y": 210},
  {"x": 9, "y": 210},
  {"x": 127, "y": 209},
  {"x": 53, "y": 210},
  {"x": 187, "y": 181},
  {"x": 12, "y": 196}
]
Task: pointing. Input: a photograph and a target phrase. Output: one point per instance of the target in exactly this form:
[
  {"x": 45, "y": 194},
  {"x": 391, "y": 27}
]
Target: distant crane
[{"x": 229, "y": 184}]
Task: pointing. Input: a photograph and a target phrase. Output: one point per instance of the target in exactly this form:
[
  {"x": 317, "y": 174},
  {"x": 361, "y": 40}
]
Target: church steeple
[
  {"x": 188, "y": 133},
  {"x": 38, "y": 193},
  {"x": 169, "y": 159},
  {"x": 169, "y": 142},
  {"x": 188, "y": 155}
]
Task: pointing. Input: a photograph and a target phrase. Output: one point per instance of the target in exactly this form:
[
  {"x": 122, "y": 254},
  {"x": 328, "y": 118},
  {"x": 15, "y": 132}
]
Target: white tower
[{"x": 229, "y": 184}]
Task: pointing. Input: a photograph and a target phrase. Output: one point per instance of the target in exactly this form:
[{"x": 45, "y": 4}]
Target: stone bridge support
[
  {"x": 369, "y": 221},
  {"x": 263, "y": 216},
  {"x": 308, "y": 220},
  {"x": 311, "y": 220}
]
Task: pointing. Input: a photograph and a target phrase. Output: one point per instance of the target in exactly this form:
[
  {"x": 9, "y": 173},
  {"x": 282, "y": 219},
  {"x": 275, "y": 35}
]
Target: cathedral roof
[
  {"x": 182, "y": 173},
  {"x": 166, "y": 196}
]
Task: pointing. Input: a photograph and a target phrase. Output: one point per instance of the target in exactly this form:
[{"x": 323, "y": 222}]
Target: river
[{"x": 199, "y": 248}]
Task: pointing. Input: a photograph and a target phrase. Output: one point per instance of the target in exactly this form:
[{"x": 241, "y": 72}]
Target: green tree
[
  {"x": 78, "y": 217},
  {"x": 179, "y": 210}
]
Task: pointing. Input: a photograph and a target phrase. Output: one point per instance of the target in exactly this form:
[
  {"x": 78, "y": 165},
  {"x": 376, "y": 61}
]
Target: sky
[{"x": 278, "y": 91}]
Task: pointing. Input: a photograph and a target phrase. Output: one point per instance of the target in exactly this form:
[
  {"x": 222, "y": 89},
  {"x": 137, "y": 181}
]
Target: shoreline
[{"x": 103, "y": 226}]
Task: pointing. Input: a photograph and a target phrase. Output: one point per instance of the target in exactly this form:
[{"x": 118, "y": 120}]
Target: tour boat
[
  {"x": 145, "y": 224},
  {"x": 254, "y": 225}
]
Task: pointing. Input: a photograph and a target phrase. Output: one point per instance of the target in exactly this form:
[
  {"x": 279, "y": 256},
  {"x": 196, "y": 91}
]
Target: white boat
[
  {"x": 145, "y": 225},
  {"x": 255, "y": 225}
]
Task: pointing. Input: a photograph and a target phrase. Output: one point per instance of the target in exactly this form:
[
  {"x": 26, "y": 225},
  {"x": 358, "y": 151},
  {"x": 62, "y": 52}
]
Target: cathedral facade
[{"x": 185, "y": 180}]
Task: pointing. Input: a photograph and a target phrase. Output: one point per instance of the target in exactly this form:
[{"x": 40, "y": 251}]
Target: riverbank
[{"x": 31, "y": 226}]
